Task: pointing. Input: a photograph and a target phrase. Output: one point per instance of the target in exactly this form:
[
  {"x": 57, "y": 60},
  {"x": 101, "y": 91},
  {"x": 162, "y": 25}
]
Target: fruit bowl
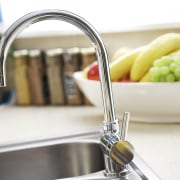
[{"x": 146, "y": 102}]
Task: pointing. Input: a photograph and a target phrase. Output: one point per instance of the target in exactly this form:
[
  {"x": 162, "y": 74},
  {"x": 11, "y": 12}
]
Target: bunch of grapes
[{"x": 166, "y": 69}]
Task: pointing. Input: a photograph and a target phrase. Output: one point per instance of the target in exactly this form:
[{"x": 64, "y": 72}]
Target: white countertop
[{"x": 157, "y": 144}]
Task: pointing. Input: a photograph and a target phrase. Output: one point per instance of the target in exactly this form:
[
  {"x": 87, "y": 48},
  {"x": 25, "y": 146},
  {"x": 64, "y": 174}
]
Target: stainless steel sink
[
  {"x": 76, "y": 156},
  {"x": 51, "y": 159}
]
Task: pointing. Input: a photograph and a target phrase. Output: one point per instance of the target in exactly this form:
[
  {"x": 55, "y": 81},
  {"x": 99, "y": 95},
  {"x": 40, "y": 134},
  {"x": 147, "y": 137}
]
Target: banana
[
  {"x": 175, "y": 53},
  {"x": 120, "y": 52},
  {"x": 146, "y": 78},
  {"x": 159, "y": 47},
  {"x": 84, "y": 72},
  {"x": 122, "y": 65}
]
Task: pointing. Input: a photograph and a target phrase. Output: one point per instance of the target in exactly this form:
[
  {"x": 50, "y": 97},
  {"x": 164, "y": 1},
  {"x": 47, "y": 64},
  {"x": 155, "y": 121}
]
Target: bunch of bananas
[{"x": 137, "y": 62}]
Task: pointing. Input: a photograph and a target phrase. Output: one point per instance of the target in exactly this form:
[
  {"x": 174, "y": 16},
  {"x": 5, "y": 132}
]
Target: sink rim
[{"x": 91, "y": 136}]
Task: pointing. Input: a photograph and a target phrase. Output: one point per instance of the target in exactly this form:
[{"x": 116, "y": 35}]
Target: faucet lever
[
  {"x": 124, "y": 128},
  {"x": 122, "y": 152}
]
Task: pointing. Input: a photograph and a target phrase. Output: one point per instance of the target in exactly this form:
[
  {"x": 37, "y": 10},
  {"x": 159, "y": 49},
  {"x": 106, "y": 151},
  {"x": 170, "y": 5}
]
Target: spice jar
[
  {"x": 72, "y": 63},
  {"x": 88, "y": 56},
  {"x": 21, "y": 76},
  {"x": 37, "y": 77},
  {"x": 54, "y": 63}
]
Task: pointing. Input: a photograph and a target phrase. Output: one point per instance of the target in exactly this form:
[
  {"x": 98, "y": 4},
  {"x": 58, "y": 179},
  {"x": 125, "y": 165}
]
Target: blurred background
[
  {"x": 120, "y": 23},
  {"x": 109, "y": 16}
]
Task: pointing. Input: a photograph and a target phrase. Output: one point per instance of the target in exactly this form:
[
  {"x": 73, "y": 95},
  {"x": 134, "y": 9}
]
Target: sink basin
[
  {"x": 73, "y": 157},
  {"x": 51, "y": 161}
]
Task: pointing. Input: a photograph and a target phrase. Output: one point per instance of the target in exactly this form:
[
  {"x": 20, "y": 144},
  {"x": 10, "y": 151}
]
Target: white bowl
[{"x": 147, "y": 102}]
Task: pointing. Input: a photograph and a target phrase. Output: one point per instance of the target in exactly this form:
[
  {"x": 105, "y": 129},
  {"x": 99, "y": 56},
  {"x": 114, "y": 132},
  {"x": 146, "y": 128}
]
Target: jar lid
[
  {"x": 54, "y": 52},
  {"x": 73, "y": 51},
  {"x": 35, "y": 53},
  {"x": 88, "y": 51},
  {"x": 20, "y": 53}
]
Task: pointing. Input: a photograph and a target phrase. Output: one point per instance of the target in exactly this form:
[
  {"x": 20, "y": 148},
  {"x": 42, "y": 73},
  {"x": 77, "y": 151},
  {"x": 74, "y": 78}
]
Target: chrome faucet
[{"x": 118, "y": 152}]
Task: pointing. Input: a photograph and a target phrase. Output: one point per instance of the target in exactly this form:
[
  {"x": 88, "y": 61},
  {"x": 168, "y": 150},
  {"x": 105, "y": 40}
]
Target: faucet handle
[
  {"x": 124, "y": 128},
  {"x": 122, "y": 152}
]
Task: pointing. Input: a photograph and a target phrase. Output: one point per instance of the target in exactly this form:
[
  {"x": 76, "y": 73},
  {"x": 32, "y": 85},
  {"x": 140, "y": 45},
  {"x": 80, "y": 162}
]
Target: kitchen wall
[{"x": 113, "y": 41}]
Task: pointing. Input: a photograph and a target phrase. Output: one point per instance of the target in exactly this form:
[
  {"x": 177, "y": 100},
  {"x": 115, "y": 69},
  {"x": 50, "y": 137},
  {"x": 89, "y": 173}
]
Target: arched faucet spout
[{"x": 110, "y": 122}]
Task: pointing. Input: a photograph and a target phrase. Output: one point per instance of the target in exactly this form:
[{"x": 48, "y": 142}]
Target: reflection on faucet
[{"x": 110, "y": 139}]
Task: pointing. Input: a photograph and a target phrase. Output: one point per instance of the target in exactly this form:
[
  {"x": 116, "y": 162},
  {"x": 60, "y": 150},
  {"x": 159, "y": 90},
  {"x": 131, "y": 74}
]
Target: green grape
[
  {"x": 155, "y": 74},
  {"x": 166, "y": 60},
  {"x": 177, "y": 78},
  {"x": 172, "y": 66},
  {"x": 162, "y": 78},
  {"x": 164, "y": 70},
  {"x": 155, "y": 71},
  {"x": 177, "y": 72},
  {"x": 170, "y": 77},
  {"x": 158, "y": 63},
  {"x": 163, "y": 61},
  {"x": 154, "y": 79},
  {"x": 177, "y": 61}
]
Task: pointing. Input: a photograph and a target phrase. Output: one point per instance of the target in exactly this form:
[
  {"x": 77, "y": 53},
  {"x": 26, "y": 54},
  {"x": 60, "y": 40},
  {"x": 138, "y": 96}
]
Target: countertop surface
[{"x": 157, "y": 144}]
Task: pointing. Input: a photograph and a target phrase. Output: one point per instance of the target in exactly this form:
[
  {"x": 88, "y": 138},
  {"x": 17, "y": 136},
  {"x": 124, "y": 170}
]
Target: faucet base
[{"x": 114, "y": 170}]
